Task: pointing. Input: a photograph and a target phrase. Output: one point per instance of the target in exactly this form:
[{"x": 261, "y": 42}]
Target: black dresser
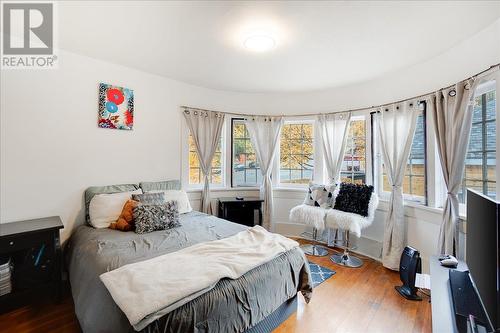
[
  {"x": 247, "y": 211},
  {"x": 30, "y": 252}
]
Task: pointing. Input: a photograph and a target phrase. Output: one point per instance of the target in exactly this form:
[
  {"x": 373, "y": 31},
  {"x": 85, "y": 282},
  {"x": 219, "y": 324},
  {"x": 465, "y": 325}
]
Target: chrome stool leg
[
  {"x": 346, "y": 259},
  {"x": 314, "y": 249}
]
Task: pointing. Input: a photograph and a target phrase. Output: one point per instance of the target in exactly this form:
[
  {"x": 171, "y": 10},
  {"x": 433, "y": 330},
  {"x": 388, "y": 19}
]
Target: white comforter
[{"x": 143, "y": 288}]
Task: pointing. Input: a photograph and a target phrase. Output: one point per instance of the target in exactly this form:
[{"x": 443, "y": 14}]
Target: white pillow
[
  {"x": 106, "y": 208},
  {"x": 178, "y": 195}
]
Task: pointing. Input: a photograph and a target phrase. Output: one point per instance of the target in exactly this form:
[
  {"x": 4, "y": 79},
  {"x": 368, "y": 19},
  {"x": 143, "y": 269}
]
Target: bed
[{"x": 256, "y": 302}]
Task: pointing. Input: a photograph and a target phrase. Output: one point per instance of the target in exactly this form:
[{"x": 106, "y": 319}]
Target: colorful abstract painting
[{"x": 116, "y": 107}]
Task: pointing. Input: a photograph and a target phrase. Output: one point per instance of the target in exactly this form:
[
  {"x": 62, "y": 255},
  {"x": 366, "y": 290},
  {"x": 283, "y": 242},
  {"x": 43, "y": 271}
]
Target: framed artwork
[{"x": 116, "y": 107}]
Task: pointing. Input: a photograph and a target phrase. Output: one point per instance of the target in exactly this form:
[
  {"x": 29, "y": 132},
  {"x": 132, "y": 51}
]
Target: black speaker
[{"x": 409, "y": 265}]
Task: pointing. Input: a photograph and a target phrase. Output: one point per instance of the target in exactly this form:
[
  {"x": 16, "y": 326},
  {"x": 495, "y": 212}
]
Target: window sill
[
  {"x": 222, "y": 189},
  {"x": 290, "y": 189},
  {"x": 416, "y": 205}
]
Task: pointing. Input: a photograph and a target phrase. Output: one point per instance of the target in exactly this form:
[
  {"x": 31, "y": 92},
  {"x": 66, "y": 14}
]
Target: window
[
  {"x": 195, "y": 174},
  {"x": 354, "y": 165},
  {"x": 296, "y": 153},
  {"x": 414, "y": 182},
  {"x": 414, "y": 179},
  {"x": 480, "y": 161},
  {"x": 245, "y": 169}
]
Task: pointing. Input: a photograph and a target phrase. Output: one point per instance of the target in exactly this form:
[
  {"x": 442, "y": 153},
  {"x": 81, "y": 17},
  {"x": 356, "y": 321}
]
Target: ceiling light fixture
[{"x": 259, "y": 42}]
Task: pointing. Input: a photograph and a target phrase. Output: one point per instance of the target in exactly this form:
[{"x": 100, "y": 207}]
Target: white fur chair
[
  {"x": 315, "y": 218},
  {"x": 350, "y": 223}
]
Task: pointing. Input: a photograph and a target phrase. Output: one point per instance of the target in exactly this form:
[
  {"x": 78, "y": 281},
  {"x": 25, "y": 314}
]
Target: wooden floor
[
  {"x": 359, "y": 300},
  {"x": 353, "y": 300}
]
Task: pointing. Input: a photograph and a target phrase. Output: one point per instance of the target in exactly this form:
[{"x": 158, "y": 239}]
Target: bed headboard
[
  {"x": 93, "y": 190},
  {"x": 173, "y": 184}
]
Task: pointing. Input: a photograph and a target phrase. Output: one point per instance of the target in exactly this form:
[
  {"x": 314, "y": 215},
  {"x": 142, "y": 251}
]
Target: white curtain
[
  {"x": 396, "y": 125},
  {"x": 333, "y": 132},
  {"x": 452, "y": 109},
  {"x": 264, "y": 134},
  {"x": 205, "y": 128}
]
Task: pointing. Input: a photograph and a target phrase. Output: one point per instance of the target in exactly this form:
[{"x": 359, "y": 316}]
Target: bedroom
[{"x": 284, "y": 100}]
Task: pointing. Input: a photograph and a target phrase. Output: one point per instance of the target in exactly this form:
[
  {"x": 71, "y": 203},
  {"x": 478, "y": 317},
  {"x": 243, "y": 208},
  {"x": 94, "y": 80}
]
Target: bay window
[{"x": 298, "y": 159}]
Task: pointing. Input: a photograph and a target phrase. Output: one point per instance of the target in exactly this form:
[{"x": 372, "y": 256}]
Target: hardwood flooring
[
  {"x": 358, "y": 300},
  {"x": 353, "y": 300}
]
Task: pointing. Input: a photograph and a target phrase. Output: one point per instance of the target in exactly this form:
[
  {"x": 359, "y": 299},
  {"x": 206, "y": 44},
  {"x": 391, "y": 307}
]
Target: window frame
[
  {"x": 221, "y": 184},
  {"x": 185, "y": 161},
  {"x": 481, "y": 90},
  {"x": 360, "y": 117},
  {"x": 277, "y": 160},
  {"x": 231, "y": 182}
]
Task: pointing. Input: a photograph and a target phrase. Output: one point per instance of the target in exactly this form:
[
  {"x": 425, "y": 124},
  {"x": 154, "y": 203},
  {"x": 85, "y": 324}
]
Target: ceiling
[{"x": 320, "y": 44}]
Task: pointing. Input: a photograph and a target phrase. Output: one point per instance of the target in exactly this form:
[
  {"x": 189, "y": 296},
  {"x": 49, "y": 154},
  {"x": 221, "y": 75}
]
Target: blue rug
[{"x": 320, "y": 274}]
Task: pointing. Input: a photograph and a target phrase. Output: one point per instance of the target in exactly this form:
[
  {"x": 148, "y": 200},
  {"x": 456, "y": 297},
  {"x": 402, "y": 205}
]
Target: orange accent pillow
[{"x": 126, "y": 220}]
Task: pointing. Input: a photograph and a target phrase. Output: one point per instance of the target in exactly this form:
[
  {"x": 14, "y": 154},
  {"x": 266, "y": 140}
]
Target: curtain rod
[{"x": 475, "y": 76}]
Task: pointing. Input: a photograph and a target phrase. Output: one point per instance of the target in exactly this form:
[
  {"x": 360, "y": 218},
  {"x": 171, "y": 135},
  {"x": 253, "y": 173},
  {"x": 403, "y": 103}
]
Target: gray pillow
[
  {"x": 160, "y": 186},
  {"x": 149, "y": 218},
  {"x": 150, "y": 198},
  {"x": 108, "y": 189},
  {"x": 320, "y": 195}
]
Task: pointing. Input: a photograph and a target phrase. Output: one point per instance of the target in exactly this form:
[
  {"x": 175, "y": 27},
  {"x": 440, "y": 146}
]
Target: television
[{"x": 483, "y": 250}]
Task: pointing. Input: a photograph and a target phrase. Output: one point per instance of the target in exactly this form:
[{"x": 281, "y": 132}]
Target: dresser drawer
[
  {"x": 15, "y": 243},
  {"x": 243, "y": 205}
]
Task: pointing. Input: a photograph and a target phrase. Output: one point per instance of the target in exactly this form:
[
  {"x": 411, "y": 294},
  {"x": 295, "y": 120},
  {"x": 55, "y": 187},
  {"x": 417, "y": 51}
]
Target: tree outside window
[{"x": 297, "y": 153}]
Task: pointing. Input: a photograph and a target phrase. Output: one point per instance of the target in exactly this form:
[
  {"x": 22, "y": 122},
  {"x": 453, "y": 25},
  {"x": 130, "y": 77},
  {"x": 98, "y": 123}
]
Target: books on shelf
[{"x": 5, "y": 276}]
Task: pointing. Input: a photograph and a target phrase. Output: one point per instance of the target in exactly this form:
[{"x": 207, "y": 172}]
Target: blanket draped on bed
[
  {"x": 143, "y": 288},
  {"x": 231, "y": 306}
]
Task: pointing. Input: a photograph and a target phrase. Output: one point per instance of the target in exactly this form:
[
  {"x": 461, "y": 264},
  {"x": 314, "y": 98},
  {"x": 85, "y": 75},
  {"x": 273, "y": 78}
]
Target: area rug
[{"x": 320, "y": 274}]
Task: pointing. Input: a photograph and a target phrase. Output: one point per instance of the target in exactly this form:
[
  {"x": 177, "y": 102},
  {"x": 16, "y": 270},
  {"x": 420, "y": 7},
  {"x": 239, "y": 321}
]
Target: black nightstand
[
  {"x": 241, "y": 211},
  {"x": 34, "y": 249}
]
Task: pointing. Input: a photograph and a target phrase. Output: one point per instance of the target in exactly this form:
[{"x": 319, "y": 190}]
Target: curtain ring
[
  {"x": 196, "y": 113},
  {"x": 452, "y": 93},
  {"x": 186, "y": 112}
]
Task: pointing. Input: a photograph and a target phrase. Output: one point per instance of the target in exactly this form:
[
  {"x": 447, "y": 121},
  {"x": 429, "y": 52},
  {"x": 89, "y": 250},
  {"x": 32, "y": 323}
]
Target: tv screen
[{"x": 482, "y": 250}]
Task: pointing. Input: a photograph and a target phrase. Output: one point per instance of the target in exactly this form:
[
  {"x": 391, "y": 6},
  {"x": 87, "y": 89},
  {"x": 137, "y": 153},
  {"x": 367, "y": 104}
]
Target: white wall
[{"x": 51, "y": 148}]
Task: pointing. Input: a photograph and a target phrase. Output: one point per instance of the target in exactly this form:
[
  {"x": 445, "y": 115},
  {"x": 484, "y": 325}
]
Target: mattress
[{"x": 231, "y": 306}]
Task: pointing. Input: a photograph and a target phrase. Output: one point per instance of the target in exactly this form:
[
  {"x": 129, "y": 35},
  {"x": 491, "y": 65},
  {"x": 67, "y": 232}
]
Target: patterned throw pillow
[
  {"x": 320, "y": 195},
  {"x": 150, "y": 218},
  {"x": 354, "y": 198},
  {"x": 150, "y": 198}
]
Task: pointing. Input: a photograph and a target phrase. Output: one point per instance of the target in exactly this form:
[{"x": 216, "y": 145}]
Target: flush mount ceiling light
[{"x": 259, "y": 42}]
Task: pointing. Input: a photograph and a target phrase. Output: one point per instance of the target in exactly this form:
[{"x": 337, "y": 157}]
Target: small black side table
[
  {"x": 240, "y": 211},
  {"x": 34, "y": 250}
]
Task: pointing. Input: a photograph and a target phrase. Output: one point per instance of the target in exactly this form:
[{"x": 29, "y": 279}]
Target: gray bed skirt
[{"x": 272, "y": 321}]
